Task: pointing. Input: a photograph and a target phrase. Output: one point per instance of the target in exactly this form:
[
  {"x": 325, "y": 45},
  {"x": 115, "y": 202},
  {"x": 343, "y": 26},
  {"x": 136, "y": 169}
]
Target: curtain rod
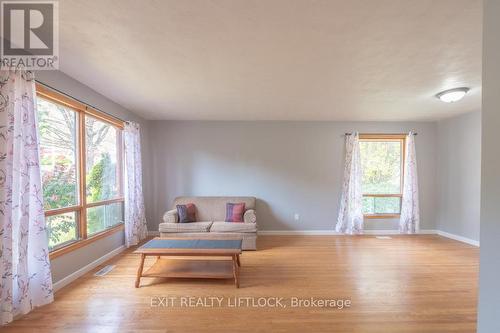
[
  {"x": 79, "y": 101},
  {"x": 414, "y": 133}
]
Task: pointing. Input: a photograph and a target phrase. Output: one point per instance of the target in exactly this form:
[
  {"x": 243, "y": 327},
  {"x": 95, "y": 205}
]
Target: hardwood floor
[{"x": 422, "y": 283}]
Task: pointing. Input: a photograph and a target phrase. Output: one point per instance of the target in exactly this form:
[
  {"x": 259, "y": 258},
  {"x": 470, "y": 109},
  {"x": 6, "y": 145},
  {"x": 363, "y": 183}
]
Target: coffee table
[{"x": 190, "y": 265}]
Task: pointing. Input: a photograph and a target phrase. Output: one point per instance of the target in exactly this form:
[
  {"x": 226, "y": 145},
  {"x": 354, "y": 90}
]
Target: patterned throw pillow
[
  {"x": 235, "y": 211},
  {"x": 187, "y": 213}
]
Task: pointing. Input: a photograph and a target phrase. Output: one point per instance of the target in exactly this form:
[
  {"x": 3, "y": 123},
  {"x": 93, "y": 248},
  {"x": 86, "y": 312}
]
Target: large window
[
  {"x": 81, "y": 164},
  {"x": 382, "y": 163}
]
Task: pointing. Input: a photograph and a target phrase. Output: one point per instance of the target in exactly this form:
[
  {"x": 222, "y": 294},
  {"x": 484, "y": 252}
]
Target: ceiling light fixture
[{"x": 452, "y": 95}]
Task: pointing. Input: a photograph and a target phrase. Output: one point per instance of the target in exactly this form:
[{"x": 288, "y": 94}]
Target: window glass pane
[
  {"x": 368, "y": 205},
  {"x": 62, "y": 229},
  {"x": 101, "y": 142},
  {"x": 381, "y": 163},
  {"x": 103, "y": 217},
  {"x": 381, "y": 205},
  {"x": 58, "y": 149},
  {"x": 387, "y": 205}
]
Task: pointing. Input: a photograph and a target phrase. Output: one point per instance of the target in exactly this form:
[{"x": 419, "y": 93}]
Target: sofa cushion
[
  {"x": 235, "y": 211},
  {"x": 233, "y": 227},
  {"x": 185, "y": 227},
  {"x": 186, "y": 213}
]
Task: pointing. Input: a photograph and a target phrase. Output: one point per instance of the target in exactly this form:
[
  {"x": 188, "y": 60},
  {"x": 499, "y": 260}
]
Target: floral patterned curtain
[
  {"x": 135, "y": 220},
  {"x": 410, "y": 215},
  {"x": 350, "y": 218},
  {"x": 24, "y": 267}
]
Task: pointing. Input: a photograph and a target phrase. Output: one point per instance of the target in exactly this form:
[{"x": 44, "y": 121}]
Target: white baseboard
[
  {"x": 297, "y": 232},
  {"x": 368, "y": 232},
  {"x": 82, "y": 271},
  {"x": 396, "y": 232},
  {"x": 333, "y": 232},
  {"x": 458, "y": 238}
]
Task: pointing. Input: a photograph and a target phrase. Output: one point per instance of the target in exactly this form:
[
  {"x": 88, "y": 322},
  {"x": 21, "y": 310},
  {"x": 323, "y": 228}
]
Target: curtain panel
[
  {"x": 350, "y": 217},
  {"x": 135, "y": 217},
  {"x": 409, "y": 222},
  {"x": 24, "y": 266}
]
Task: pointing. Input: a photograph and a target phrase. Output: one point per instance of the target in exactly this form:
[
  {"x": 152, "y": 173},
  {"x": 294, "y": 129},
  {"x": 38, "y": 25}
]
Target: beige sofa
[{"x": 210, "y": 216}]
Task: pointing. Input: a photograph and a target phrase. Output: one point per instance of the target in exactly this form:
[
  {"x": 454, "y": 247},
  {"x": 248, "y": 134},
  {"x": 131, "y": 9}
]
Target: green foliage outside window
[
  {"x": 59, "y": 185},
  {"x": 99, "y": 189}
]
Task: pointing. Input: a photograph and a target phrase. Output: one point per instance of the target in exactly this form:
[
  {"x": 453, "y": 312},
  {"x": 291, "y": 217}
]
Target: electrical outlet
[{"x": 296, "y": 217}]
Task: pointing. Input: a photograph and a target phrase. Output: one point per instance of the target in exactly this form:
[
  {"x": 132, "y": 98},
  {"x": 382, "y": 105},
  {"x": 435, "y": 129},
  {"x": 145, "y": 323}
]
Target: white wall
[
  {"x": 459, "y": 175},
  {"x": 291, "y": 167},
  {"x": 489, "y": 276},
  {"x": 69, "y": 263}
]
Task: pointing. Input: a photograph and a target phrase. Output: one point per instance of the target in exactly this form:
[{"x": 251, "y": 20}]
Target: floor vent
[
  {"x": 105, "y": 270},
  {"x": 383, "y": 237}
]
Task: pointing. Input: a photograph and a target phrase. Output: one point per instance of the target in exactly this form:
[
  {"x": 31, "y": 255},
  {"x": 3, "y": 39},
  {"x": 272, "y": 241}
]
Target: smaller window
[{"x": 382, "y": 160}]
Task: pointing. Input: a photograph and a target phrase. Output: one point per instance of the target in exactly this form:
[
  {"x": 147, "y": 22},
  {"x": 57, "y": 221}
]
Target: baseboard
[
  {"x": 458, "y": 238},
  {"x": 396, "y": 232},
  {"x": 154, "y": 233},
  {"x": 297, "y": 232},
  {"x": 82, "y": 271},
  {"x": 333, "y": 232}
]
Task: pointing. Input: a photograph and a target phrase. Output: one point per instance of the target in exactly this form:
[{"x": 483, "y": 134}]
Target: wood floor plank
[{"x": 421, "y": 284}]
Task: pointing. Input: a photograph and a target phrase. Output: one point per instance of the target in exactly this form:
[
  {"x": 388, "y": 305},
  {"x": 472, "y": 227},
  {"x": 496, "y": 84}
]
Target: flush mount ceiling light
[{"x": 452, "y": 95}]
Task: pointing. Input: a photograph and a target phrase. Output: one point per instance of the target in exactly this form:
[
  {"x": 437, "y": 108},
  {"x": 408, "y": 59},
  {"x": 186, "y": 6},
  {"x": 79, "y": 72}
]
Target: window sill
[
  {"x": 384, "y": 216},
  {"x": 80, "y": 243}
]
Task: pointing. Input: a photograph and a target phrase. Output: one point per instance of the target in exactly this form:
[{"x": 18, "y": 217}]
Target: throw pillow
[
  {"x": 187, "y": 213},
  {"x": 235, "y": 211}
]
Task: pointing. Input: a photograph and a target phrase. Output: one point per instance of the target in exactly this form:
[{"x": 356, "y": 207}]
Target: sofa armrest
[
  {"x": 171, "y": 216},
  {"x": 249, "y": 216}
]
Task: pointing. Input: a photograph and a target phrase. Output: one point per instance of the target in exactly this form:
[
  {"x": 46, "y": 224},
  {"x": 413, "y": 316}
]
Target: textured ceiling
[{"x": 276, "y": 59}]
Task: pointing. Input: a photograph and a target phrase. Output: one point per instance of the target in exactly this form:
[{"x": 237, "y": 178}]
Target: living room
[{"x": 254, "y": 166}]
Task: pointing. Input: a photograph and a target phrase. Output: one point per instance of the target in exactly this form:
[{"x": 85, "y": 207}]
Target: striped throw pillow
[
  {"x": 235, "y": 211},
  {"x": 187, "y": 213}
]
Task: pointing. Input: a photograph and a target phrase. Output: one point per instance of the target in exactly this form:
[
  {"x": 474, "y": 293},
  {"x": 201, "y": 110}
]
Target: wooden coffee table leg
[
  {"x": 238, "y": 260},
  {"x": 236, "y": 271},
  {"x": 139, "y": 271}
]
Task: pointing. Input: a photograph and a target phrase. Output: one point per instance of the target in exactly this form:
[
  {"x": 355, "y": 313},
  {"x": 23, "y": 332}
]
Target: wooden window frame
[
  {"x": 82, "y": 111},
  {"x": 390, "y": 138}
]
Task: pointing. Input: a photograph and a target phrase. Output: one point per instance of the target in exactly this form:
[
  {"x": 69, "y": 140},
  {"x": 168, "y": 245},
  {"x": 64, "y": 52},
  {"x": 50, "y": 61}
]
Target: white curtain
[
  {"x": 24, "y": 266},
  {"x": 350, "y": 218},
  {"x": 410, "y": 215},
  {"x": 135, "y": 220}
]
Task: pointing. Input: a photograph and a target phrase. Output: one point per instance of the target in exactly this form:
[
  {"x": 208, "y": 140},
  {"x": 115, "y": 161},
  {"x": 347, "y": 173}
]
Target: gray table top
[{"x": 193, "y": 244}]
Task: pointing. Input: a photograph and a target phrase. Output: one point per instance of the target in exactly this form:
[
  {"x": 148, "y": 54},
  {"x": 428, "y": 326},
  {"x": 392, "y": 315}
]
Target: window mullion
[
  {"x": 63, "y": 210},
  {"x": 83, "y": 172}
]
